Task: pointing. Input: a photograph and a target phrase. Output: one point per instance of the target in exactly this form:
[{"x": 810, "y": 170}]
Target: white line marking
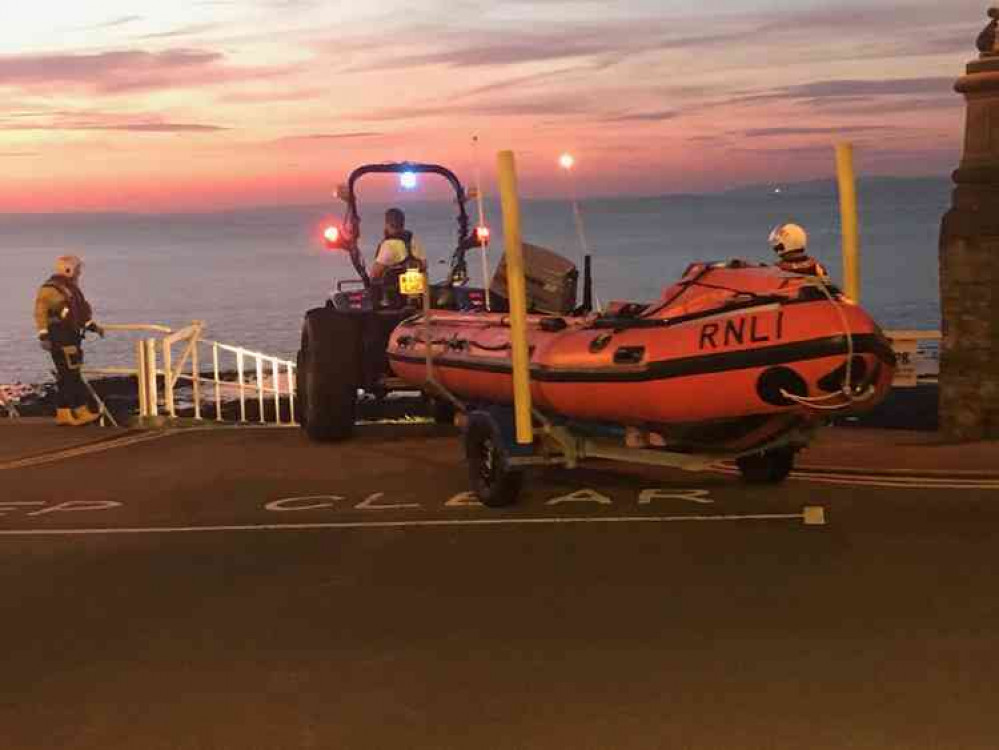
[
  {"x": 5, "y": 507},
  {"x": 944, "y": 474},
  {"x": 296, "y": 503},
  {"x": 701, "y": 497},
  {"x": 582, "y": 496},
  {"x": 371, "y": 503},
  {"x": 888, "y": 482},
  {"x": 84, "y": 450},
  {"x": 77, "y": 505},
  {"x": 401, "y": 524},
  {"x": 902, "y": 480}
]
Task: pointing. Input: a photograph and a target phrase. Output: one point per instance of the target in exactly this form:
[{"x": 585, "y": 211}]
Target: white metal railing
[
  {"x": 271, "y": 379},
  {"x": 912, "y": 355}
]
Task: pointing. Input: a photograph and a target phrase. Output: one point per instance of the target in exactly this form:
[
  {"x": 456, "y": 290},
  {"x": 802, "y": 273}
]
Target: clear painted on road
[
  {"x": 375, "y": 501},
  {"x": 68, "y": 506}
]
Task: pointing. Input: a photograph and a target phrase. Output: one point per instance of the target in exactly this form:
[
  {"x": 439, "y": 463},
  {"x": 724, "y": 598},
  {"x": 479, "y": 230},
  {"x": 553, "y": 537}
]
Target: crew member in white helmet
[
  {"x": 63, "y": 316},
  {"x": 790, "y": 242}
]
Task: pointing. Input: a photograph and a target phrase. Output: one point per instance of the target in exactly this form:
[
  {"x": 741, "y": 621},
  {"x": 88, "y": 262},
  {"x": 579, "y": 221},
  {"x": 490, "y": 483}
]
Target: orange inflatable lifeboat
[{"x": 729, "y": 357}]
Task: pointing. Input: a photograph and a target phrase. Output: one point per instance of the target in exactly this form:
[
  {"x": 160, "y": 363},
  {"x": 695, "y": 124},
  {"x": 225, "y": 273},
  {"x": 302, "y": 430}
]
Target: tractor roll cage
[{"x": 352, "y": 221}]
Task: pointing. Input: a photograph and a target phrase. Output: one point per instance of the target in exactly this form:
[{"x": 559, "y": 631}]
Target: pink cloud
[
  {"x": 126, "y": 70},
  {"x": 97, "y": 121}
]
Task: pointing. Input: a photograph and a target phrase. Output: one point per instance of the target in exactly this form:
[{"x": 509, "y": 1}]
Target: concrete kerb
[{"x": 191, "y": 424}]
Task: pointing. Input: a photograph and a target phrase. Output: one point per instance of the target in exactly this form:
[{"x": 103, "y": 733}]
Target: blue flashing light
[{"x": 407, "y": 180}]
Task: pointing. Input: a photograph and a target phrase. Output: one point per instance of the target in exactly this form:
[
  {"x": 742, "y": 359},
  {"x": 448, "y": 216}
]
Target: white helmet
[
  {"x": 787, "y": 239},
  {"x": 68, "y": 266}
]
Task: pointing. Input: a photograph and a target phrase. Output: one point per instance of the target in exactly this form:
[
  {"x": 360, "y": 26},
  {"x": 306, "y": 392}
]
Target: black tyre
[
  {"x": 301, "y": 389},
  {"x": 489, "y": 473},
  {"x": 329, "y": 369},
  {"x": 769, "y": 467}
]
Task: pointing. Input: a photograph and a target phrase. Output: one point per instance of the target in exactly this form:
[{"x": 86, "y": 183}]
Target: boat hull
[{"x": 780, "y": 359}]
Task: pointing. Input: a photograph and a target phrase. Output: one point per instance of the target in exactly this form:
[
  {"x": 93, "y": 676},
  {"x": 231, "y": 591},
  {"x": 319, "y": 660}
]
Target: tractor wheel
[
  {"x": 769, "y": 467},
  {"x": 329, "y": 368},
  {"x": 491, "y": 478}
]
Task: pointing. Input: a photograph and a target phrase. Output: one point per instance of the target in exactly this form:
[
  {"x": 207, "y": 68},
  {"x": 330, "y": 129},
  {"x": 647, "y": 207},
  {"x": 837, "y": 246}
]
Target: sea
[{"x": 250, "y": 274}]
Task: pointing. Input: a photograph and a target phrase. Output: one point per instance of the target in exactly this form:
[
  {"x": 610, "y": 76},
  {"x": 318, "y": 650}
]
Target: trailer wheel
[
  {"x": 769, "y": 467},
  {"x": 443, "y": 411},
  {"x": 491, "y": 478},
  {"x": 329, "y": 366}
]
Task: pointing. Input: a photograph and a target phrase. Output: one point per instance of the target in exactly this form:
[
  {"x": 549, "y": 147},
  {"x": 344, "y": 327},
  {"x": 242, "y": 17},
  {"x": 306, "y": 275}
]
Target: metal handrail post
[
  {"x": 152, "y": 397},
  {"x": 196, "y": 371},
  {"x": 168, "y": 378},
  {"x": 260, "y": 387},
  {"x": 142, "y": 380},
  {"x": 242, "y": 386},
  {"x": 276, "y": 376},
  {"x": 218, "y": 385}
]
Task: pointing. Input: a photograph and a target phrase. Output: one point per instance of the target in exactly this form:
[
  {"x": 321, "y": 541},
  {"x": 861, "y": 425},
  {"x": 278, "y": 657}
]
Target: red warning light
[
  {"x": 482, "y": 234},
  {"x": 331, "y": 235}
]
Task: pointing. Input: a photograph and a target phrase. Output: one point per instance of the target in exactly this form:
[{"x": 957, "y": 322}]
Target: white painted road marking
[
  {"x": 6, "y": 507},
  {"x": 375, "y": 501},
  {"x": 371, "y": 503},
  {"x": 84, "y": 450},
  {"x": 889, "y": 481},
  {"x": 701, "y": 497},
  {"x": 68, "y": 506},
  {"x": 582, "y": 496},
  {"x": 568, "y": 520},
  {"x": 77, "y": 505},
  {"x": 312, "y": 502}
]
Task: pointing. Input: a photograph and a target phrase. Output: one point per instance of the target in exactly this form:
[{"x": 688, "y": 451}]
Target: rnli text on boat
[{"x": 740, "y": 330}]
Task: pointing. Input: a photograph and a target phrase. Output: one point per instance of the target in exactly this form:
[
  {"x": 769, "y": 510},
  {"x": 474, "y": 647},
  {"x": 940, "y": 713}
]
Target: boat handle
[{"x": 629, "y": 355}]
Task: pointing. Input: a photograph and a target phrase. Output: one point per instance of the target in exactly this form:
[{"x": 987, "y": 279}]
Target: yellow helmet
[
  {"x": 788, "y": 238},
  {"x": 68, "y": 266}
]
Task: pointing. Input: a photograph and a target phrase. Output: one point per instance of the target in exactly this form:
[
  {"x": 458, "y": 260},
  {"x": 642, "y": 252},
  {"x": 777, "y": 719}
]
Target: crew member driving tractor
[
  {"x": 396, "y": 254},
  {"x": 63, "y": 316},
  {"x": 790, "y": 242}
]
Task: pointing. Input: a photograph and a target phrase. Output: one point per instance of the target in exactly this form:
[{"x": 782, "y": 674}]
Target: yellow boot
[
  {"x": 65, "y": 418},
  {"x": 83, "y": 415}
]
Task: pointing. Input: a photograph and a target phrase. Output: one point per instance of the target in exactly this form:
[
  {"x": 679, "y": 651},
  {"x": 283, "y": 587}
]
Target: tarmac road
[{"x": 155, "y": 596}]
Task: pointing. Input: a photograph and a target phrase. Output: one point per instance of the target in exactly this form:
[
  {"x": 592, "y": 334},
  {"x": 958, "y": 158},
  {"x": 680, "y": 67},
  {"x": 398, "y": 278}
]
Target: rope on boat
[
  {"x": 454, "y": 343},
  {"x": 814, "y": 402}
]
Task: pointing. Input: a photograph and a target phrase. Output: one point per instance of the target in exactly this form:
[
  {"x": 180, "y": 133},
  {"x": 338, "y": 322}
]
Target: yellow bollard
[
  {"x": 518, "y": 296},
  {"x": 848, "y": 217}
]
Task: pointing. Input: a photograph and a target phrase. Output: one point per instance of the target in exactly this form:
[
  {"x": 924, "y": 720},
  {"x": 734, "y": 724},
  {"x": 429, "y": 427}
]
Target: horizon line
[{"x": 585, "y": 199}]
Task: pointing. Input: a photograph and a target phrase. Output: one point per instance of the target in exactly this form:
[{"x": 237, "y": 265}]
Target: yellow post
[
  {"x": 517, "y": 289},
  {"x": 848, "y": 217}
]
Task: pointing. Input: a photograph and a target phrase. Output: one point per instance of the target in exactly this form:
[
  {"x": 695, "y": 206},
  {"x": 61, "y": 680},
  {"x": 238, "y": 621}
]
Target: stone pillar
[{"x": 969, "y": 267}]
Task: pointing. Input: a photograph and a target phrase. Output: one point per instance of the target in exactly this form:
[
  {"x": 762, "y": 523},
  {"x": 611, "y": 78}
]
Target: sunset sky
[{"x": 202, "y": 104}]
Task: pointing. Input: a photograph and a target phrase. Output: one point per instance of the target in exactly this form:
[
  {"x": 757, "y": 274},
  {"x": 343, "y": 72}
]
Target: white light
[
  {"x": 407, "y": 180},
  {"x": 566, "y": 161}
]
